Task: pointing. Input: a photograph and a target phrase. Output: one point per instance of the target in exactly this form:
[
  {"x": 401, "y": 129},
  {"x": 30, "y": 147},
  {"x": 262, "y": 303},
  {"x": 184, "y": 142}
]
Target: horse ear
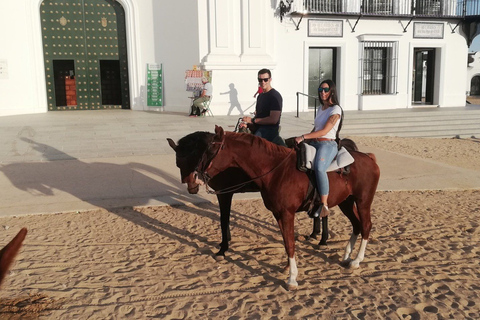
[
  {"x": 8, "y": 253},
  {"x": 172, "y": 144},
  {"x": 219, "y": 133}
]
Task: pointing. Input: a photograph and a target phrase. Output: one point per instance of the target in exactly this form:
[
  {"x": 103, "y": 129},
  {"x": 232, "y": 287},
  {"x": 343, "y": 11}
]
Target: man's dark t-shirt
[{"x": 266, "y": 102}]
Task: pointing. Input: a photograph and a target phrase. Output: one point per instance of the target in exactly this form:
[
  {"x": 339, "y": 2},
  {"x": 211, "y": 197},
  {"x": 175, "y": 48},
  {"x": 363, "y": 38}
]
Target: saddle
[
  {"x": 306, "y": 156},
  {"x": 305, "y": 159}
]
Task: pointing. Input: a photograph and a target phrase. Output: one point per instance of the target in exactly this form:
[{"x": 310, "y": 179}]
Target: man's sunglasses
[
  {"x": 263, "y": 79},
  {"x": 323, "y": 89}
]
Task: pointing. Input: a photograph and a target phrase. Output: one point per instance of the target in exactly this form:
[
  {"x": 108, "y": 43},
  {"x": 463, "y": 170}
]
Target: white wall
[
  {"x": 20, "y": 92},
  {"x": 235, "y": 39}
]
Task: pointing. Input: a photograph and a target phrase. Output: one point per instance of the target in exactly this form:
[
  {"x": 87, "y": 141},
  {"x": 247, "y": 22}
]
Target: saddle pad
[{"x": 343, "y": 158}]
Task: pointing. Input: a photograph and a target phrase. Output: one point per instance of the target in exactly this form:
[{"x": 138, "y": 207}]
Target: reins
[{"x": 206, "y": 178}]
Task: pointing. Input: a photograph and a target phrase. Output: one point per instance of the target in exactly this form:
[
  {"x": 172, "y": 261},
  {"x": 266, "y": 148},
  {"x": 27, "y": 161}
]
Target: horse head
[
  {"x": 205, "y": 166},
  {"x": 189, "y": 151}
]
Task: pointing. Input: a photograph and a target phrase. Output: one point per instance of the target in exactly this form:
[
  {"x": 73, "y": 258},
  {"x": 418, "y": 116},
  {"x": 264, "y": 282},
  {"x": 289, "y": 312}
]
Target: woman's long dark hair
[{"x": 333, "y": 92}]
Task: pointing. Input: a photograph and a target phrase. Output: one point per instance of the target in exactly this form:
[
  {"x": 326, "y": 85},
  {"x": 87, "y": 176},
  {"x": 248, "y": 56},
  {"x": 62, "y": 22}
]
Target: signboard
[
  {"x": 325, "y": 28},
  {"x": 428, "y": 30},
  {"x": 154, "y": 85}
]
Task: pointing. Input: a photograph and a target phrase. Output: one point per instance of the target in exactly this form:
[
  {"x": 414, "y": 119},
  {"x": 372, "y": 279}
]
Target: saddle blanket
[{"x": 343, "y": 158}]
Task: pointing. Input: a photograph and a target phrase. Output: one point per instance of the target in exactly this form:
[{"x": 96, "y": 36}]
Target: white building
[{"x": 383, "y": 54}]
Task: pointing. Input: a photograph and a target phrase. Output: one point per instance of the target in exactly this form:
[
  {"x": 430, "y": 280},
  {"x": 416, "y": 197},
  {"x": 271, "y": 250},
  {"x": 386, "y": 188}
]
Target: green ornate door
[{"x": 85, "y": 54}]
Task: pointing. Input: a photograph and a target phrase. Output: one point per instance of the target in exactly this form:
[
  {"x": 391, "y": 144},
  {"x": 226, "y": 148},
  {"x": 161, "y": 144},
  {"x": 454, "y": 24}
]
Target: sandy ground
[{"x": 157, "y": 262}]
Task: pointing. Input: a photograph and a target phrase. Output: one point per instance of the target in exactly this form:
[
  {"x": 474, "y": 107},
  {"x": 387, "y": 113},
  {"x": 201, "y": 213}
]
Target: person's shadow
[{"x": 233, "y": 94}]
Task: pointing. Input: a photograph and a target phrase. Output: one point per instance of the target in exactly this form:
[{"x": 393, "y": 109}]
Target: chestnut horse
[
  {"x": 284, "y": 188},
  {"x": 233, "y": 180}
]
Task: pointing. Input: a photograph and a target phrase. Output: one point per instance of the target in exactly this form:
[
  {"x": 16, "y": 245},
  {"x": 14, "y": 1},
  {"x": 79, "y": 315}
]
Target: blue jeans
[{"x": 326, "y": 151}]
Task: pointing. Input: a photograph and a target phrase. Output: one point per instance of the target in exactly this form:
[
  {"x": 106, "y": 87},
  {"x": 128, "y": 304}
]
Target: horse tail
[
  {"x": 348, "y": 144},
  {"x": 371, "y": 155}
]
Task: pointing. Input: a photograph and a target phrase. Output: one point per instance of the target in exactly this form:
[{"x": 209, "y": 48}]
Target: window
[
  {"x": 323, "y": 6},
  {"x": 378, "y": 67},
  {"x": 377, "y": 6}
]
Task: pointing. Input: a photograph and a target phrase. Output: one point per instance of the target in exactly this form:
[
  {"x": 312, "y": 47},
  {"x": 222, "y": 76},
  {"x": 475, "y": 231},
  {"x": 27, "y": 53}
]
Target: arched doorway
[
  {"x": 85, "y": 54},
  {"x": 475, "y": 86}
]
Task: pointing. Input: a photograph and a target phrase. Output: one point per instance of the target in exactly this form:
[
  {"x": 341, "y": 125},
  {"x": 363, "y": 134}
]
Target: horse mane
[
  {"x": 267, "y": 147},
  {"x": 194, "y": 142}
]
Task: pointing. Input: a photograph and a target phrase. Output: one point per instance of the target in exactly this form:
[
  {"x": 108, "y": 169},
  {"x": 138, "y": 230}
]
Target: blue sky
[{"x": 475, "y": 46}]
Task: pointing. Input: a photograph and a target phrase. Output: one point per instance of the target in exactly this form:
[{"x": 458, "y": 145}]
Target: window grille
[
  {"x": 378, "y": 6},
  {"x": 378, "y": 63}
]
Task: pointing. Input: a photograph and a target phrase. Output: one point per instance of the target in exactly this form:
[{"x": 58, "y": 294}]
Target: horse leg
[
  {"x": 225, "y": 203},
  {"x": 348, "y": 208},
  {"x": 363, "y": 210},
  {"x": 286, "y": 225},
  {"x": 316, "y": 228},
  {"x": 323, "y": 241}
]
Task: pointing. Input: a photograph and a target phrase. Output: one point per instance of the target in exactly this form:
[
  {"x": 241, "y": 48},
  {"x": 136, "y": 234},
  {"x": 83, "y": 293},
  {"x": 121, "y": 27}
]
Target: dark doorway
[
  {"x": 64, "y": 80},
  {"x": 475, "y": 86},
  {"x": 424, "y": 76},
  {"x": 111, "y": 84},
  {"x": 322, "y": 66}
]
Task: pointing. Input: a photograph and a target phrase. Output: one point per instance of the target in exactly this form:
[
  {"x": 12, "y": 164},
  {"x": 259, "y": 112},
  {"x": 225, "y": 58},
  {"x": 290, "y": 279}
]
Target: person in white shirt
[
  {"x": 323, "y": 138},
  {"x": 205, "y": 95}
]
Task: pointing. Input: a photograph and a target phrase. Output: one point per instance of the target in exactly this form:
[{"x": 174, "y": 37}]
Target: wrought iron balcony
[{"x": 386, "y": 8}]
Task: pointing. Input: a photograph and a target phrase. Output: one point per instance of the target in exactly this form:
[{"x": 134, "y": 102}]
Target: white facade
[{"x": 235, "y": 39}]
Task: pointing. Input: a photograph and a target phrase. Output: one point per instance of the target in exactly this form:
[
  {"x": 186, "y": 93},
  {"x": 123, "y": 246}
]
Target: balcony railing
[{"x": 420, "y": 8}]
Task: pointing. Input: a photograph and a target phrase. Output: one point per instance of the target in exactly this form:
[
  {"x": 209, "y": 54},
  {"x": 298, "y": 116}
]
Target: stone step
[{"x": 416, "y": 122}]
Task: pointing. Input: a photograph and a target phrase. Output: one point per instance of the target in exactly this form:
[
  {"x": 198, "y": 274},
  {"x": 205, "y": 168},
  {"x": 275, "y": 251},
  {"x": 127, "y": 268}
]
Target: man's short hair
[{"x": 265, "y": 71}]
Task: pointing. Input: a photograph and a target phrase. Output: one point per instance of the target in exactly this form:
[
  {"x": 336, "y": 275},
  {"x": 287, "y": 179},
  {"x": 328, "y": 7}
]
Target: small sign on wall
[
  {"x": 428, "y": 30},
  {"x": 3, "y": 69},
  {"x": 325, "y": 28},
  {"x": 154, "y": 85}
]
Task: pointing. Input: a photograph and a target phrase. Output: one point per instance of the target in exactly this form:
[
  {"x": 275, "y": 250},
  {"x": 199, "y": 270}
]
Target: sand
[{"x": 158, "y": 262}]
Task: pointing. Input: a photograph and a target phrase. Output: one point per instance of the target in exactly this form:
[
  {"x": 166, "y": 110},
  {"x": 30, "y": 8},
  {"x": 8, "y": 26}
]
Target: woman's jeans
[{"x": 326, "y": 152}]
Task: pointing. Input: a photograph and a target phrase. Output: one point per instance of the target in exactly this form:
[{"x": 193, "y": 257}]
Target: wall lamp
[{"x": 285, "y": 8}]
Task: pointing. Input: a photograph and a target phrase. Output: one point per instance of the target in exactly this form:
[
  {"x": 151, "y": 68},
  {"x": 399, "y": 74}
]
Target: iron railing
[
  {"x": 308, "y": 96},
  {"x": 421, "y": 8}
]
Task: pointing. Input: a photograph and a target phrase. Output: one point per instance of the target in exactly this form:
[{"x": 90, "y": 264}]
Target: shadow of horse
[{"x": 92, "y": 182}]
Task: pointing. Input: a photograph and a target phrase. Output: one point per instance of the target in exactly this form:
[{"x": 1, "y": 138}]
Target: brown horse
[
  {"x": 189, "y": 151},
  {"x": 284, "y": 188}
]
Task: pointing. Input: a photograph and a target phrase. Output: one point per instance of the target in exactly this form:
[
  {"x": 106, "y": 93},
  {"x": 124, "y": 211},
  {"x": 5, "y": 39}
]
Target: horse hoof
[
  {"x": 346, "y": 263},
  {"x": 354, "y": 265},
  {"x": 219, "y": 258},
  {"x": 292, "y": 286},
  {"x": 313, "y": 236}
]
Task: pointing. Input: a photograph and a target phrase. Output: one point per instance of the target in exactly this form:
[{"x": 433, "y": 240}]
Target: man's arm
[{"x": 273, "y": 118}]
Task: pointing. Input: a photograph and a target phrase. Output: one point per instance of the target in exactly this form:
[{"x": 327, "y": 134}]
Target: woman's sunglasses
[{"x": 323, "y": 89}]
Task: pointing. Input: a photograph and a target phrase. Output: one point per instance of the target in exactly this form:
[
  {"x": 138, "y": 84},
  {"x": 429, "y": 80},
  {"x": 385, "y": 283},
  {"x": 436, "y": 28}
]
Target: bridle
[{"x": 203, "y": 165}]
